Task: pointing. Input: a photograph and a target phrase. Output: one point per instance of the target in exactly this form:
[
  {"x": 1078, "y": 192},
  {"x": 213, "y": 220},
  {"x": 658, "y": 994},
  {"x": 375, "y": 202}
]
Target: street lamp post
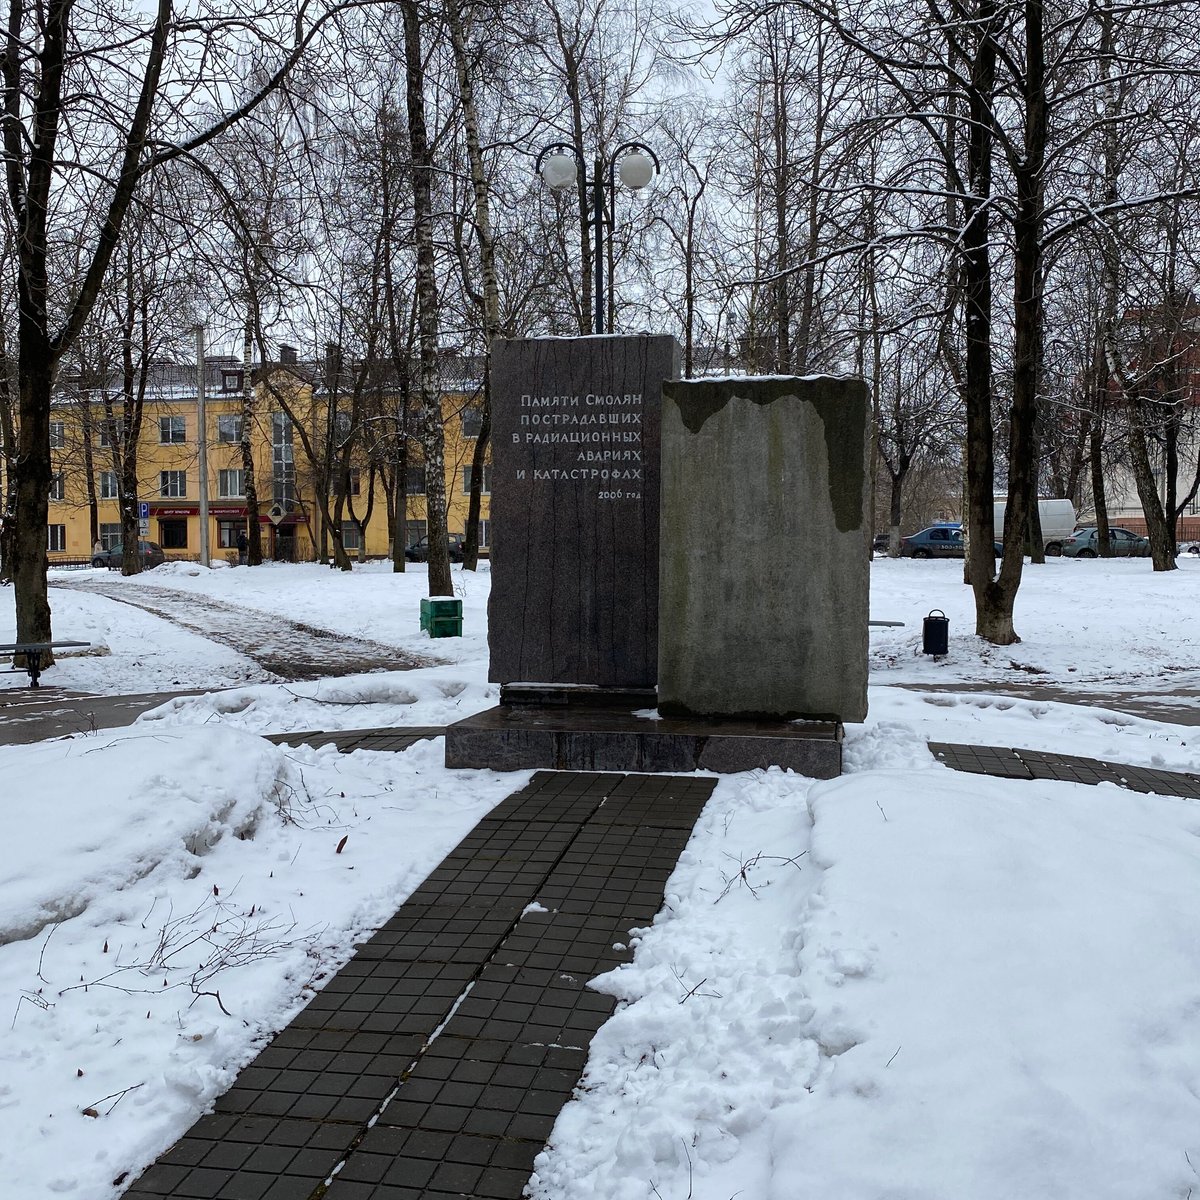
[
  {"x": 634, "y": 162},
  {"x": 202, "y": 447}
]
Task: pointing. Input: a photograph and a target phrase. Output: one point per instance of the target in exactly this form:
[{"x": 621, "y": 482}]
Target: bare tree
[
  {"x": 95, "y": 100},
  {"x": 998, "y": 110},
  {"x": 433, "y": 438}
]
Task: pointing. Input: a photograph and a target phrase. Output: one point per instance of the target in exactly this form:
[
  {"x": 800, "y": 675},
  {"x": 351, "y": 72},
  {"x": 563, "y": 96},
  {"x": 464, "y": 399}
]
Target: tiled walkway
[
  {"x": 434, "y": 1063},
  {"x": 1036, "y": 764},
  {"x": 347, "y": 740}
]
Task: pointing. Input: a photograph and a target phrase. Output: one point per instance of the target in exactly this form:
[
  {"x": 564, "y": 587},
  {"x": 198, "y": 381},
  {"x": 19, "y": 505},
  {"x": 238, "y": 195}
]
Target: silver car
[{"x": 1085, "y": 543}]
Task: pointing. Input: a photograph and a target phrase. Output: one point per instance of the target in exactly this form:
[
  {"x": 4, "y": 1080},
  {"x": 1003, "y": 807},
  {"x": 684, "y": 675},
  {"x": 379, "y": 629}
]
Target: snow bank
[
  {"x": 91, "y": 817},
  {"x": 198, "y": 884},
  {"x": 425, "y": 696},
  {"x": 1003, "y": 981},
  {"x": 945, "y": 986},
  {"x": 710, "y": 1037}
]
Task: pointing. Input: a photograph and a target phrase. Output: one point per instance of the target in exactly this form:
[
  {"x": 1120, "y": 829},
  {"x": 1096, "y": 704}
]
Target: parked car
[
  {"x": 938, "y": 541},
  {"x": 151, "y": 553},
  {"x": 1085, "y": 543},
  {"x": 882, "y": 542},
  {"x": 419, "y": 550}
]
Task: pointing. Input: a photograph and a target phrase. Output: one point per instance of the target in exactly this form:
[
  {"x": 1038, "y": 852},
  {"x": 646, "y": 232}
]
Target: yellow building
[{"x": 289, "y": 465}]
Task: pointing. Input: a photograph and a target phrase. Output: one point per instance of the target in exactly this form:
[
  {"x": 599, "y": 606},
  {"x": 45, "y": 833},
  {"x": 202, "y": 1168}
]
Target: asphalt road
[{"x": 32, "y": 715}]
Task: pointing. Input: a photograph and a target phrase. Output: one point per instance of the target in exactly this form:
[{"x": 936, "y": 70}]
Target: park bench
[{"x": 33, "y": 652}]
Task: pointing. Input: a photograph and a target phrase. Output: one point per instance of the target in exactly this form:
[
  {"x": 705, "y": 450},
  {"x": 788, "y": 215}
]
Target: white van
[{"x": 1058, "y": 522}]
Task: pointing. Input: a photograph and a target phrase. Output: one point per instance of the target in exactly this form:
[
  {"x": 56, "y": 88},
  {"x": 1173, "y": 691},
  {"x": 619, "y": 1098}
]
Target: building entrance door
[{"x": 285, "y": 543}]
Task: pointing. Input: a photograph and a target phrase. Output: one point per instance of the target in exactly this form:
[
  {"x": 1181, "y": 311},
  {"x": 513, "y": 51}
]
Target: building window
[
  {"x": 57, "y": 486},
  {"x": 171, "y": 431},
  {"x": 111, "y": 431},
  {"x": 485, "y": 533},
  {"x": 110, "y": 534},
  {"x": 414, "y": 531},
  {"x": 283, "y": 467},
  {"x": 108, "y": 485},
  {"x": 172, "y": 484},
  {"x": 350, "y": 538},
  {"x": 56, "y": 537},
  {"x": 173, "y": 535},
  {"x": 472, "y": 422},
  {"x": 231, "y": 382},
  {"x": 58, "y": 435},
  {"x": 230, "y": 484},
  {"x": 229, "y": 428},
  {"x": 355, "y": 481},
  {"x": 414, "y": 480},
  {"x": 227, "y": 533},
  {"x": 486, "y": 489}
]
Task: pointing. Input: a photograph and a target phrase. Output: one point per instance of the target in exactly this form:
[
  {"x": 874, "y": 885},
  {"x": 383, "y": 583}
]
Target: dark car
[
  {"x": 882, "y": 542},
  {"x": 938, "y": 541},
  {"x": 419, "y": 550},
  {"x": 151, "y": 553}
]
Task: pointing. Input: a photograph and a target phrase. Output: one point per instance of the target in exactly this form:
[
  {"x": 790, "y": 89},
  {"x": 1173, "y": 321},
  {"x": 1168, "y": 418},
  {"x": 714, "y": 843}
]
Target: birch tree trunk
[
  {"x": 433, "y": 434},
  {"x": 487, "y": 266}
]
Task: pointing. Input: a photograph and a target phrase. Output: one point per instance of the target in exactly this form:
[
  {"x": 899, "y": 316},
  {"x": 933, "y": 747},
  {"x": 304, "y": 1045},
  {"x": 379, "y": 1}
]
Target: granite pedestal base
[{"x": 519, "y": 737}]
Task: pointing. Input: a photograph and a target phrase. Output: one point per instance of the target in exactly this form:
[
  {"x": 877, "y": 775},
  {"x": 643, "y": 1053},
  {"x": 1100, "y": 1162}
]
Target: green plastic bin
[{"x": 441, "y": 616}]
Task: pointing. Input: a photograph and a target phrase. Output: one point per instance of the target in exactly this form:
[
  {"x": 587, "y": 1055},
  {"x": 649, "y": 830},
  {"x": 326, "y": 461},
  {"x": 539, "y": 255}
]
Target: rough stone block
[{"x": 764, "y": 577}]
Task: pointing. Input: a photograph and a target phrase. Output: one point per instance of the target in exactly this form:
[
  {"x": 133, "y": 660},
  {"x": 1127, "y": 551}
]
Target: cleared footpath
[{"x": 435, "y": 1062}]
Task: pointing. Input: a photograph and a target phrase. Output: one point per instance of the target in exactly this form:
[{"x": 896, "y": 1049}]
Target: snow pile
[
  {"x": 427, "y": 696},
  {"x": 946, "y": 986},
  {"x": 139, "y": 810},
  {"x": 192, "y": 887},
  {"x": 711, "y": 1035},
  {"x": 1018, "y": 1015}
]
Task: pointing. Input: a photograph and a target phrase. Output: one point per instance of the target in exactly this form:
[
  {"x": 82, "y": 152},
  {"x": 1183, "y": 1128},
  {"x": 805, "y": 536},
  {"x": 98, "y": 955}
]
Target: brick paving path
[
  {"x": 1036, "y": 764},
  {"x": 399, "y": 737},
  {"x": 435, "y": 1062}
]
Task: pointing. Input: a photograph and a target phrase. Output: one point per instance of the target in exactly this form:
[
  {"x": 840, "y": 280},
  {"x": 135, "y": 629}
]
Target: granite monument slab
[{"x": 575, "y": 509}]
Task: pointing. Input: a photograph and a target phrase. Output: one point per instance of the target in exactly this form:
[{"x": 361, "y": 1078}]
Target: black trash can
[{"x": 935, "y": 633}]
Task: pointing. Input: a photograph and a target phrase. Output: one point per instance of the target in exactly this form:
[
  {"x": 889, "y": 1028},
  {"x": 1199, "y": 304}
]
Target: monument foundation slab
[{"x": 572, "y": 737}]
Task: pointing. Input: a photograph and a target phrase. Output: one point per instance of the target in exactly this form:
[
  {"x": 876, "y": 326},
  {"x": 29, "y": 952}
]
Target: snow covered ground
[{"x": 904, "y": 983}]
